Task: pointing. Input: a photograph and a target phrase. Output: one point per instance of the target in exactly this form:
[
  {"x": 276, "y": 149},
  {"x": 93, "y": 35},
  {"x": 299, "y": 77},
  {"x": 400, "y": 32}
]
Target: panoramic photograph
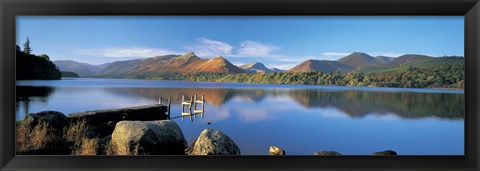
[{"x": 240, "y": 85}]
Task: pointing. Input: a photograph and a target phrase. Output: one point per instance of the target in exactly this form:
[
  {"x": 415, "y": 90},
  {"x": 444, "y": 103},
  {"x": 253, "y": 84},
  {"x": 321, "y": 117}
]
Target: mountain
[
  {"x": 187, "y": 63},
  {"x": 277, "y": 70},
  {"x": 82, "y": 69},
  {"x": 255, "y": 67},
  {"x": 324, "y": 66},
  {"x": 450, "y": 62},
  {"x": 408, "y": 58},
  {"x": 359, "y": 60},
  {"x": 384, "y": 59}
]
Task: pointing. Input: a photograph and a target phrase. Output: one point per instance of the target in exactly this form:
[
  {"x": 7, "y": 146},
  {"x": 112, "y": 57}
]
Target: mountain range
[
  {"x": 255, "y": 67},
  {"x": 191, "y": 63},
  {"x": 356, "y": 61},
  {"x": 82, "y": 69}
]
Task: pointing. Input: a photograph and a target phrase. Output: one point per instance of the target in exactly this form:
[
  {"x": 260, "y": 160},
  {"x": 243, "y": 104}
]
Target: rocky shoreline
[{"x": 142, "y": 130}]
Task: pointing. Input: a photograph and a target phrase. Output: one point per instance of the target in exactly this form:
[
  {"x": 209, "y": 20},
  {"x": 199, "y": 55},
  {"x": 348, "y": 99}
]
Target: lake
[{"x": 299, "y": 119}]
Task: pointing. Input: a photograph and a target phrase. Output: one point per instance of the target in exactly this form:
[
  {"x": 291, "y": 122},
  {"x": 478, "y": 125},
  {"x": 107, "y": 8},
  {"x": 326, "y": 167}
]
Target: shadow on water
[
  {"x": 26, "y": 94},
  {"x": 23, "y": 93}
]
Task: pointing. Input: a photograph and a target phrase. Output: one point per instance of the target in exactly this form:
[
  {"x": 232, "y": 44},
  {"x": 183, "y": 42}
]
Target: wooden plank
[{"x": 142, "y": 113}]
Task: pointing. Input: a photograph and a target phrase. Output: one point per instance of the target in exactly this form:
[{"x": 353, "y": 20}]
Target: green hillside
[{"x": 440, "y": 62}]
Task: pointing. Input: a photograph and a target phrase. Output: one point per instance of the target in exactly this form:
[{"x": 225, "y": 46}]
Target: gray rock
[
  {"x": 54, "y": 119},
  {"x": 327, "y": 153},
  {"x": 276, "y": 151},
  {"x": 214, "y": 142},
  {"x": 385, "y": 153},
  {"x": 148, "y": 137},
  {"x": 104, "y": 129}
]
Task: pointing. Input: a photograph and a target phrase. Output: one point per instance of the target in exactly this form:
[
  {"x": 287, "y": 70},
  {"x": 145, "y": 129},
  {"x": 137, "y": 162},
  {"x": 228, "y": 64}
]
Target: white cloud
[
  {"x": 256, "y": 49},
  {"x": 237, "y": 63},
  {"x": 335, "y": 54},
  {"x": 137, "y": 52},
  {"x": 209, "y": 48},
  {"x": 389, "y": 54},
  {"x": 284, "y": 66}
]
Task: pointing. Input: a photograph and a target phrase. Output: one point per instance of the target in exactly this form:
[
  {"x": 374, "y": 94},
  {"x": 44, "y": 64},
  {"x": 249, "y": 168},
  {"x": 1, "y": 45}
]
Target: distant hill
[
  {"x": 408, "y": 58},
  {"x": 32, "y": 67},
  {"x": 384, "y": 59},
  {"x": 187, "y": 63},
  {"x": 428, "y": 63},
  {"x": 321, "y": 65},
  {"x": 82, "y": 69},
  {"x": 359, "y": 60},
  {"x": 255, "y": 67},
  {"x": 277, "y": 70}
]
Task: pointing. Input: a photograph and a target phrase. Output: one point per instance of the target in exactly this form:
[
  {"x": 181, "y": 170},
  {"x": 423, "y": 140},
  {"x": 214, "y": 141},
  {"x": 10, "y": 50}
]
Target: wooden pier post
[
  {"x": 203, "y": 105},
  {"x": 169, "y": 104}
]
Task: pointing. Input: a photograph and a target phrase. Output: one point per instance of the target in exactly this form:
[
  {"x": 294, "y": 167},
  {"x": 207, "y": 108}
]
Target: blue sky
[{"x": 281, "y": 42}]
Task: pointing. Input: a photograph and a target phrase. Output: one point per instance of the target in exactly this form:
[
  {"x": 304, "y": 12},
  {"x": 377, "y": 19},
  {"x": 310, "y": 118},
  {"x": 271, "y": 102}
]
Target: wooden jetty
[
  {"x": 192, "y": 107},
  {"x": 139, "y": 113},
  {"x": 169, "y": 103}
]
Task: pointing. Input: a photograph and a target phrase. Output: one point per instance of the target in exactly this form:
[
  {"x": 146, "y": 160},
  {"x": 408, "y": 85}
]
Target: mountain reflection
[{"x": 355, "y": 103}]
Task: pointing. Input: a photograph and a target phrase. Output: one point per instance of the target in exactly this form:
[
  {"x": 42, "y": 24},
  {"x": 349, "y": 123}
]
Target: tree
[
  {"x": 45, "y": 56},
  {"x": 26, "y": 47}
]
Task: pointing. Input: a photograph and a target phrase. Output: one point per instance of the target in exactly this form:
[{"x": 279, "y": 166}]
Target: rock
[
  {"x": 148, "y": 137},
  {"x": 214, "y": 142},
  {"x": 104, "y": 129},
  {"x": 327, "y": 153},
  {"x": 385, "y": 153},
  {"x": 102, "y": 143},
  {"x": 54, "y": 119},
  {"x": 276, "y": 151}
]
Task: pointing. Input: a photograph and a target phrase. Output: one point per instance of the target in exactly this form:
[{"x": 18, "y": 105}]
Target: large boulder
[
  {"x": 276, "y": 151},
  {"x": 148, "y": 137},
  {"x": 327, "y": 153},
  {"x": 54, "y": 119},
  {"x": 104, "y": 129},
  {"x": 214, "y": 142}
]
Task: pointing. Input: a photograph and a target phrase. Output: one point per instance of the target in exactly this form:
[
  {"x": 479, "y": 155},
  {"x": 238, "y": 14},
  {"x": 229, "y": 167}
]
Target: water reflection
[
  {"x": 300, "y": 120},
  {"x": 352, "y": 102},
  {"x": 26, "y": 94}
]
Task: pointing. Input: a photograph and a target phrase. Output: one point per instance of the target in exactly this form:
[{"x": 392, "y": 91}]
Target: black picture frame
[{"x": 470, "y": 9}]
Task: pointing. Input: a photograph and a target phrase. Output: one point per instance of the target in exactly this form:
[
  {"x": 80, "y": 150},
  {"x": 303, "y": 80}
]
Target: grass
[
  {"x": 44, "y": 139},
  {"x": 110, "y": 148},
  {"x": 87, "y": 147},
  {"x": 40, "y": 137}
]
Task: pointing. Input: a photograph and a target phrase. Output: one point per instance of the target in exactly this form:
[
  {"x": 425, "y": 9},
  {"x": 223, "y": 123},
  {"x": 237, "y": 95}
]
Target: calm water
[{"x": 299, "y": 119}]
